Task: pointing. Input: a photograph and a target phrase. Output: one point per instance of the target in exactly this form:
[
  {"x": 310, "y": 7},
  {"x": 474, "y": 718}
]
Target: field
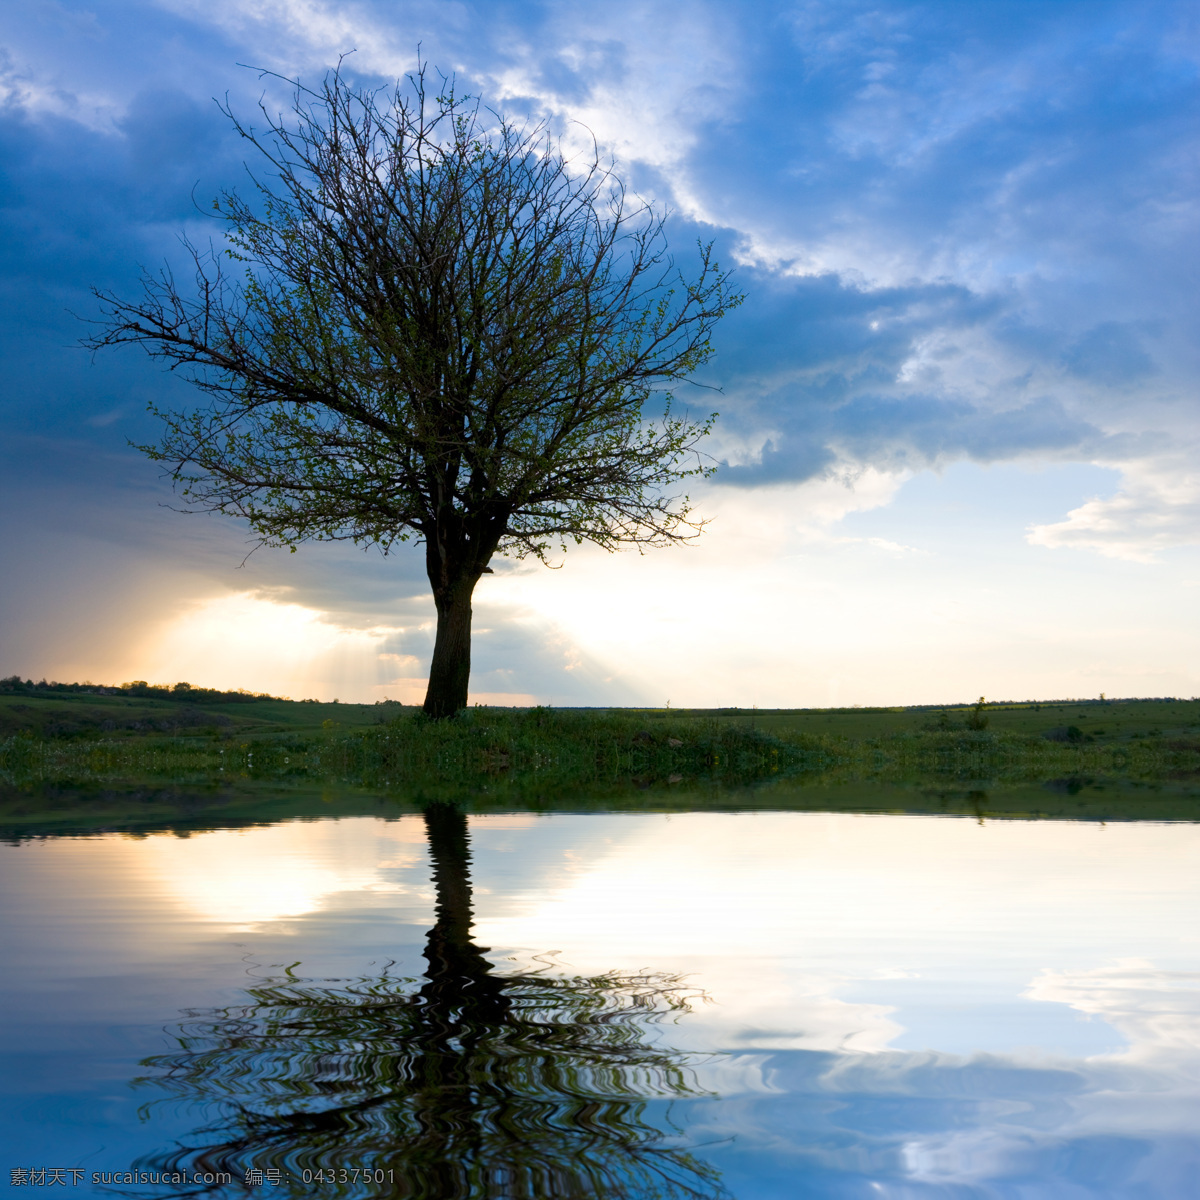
[
  {"x": 48, "y": 735},
  {"x": 1104, "y": 721},
  {"x": 51, "y": 714},
  {"x": 45, "y": 713}
]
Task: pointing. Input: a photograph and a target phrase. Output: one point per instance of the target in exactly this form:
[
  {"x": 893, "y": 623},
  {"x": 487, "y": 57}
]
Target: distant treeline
[{"x": 139, "y": 688}]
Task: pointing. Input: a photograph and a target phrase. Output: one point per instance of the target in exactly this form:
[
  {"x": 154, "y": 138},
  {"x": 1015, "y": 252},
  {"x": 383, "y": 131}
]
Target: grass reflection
[{"x": 466, "y": 1083}]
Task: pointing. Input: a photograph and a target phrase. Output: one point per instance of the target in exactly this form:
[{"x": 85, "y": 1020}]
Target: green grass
[
  {"x": 74, "y": 715},
  {"x": 202, "y": 753},
  {"x": 495, "y": 747},
  {"x": 1099, "y": 721}
]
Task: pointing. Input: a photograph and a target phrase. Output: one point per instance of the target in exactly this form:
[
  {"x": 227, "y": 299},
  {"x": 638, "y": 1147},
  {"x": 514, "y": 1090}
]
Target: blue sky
[{"x": 959, "y": 428}]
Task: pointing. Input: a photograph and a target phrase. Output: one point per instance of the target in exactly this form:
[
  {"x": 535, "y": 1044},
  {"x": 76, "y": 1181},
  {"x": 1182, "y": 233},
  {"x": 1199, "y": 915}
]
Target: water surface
[{"x": 744, "y": 1004}]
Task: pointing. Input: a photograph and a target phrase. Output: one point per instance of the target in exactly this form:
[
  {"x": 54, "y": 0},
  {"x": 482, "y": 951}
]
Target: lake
[{"x": 753, "y": 1004}]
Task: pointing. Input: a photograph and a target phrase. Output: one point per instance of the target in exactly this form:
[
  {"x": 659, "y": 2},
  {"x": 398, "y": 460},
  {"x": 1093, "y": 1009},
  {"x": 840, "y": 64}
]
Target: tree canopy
[{"x": 430, "y": 323}]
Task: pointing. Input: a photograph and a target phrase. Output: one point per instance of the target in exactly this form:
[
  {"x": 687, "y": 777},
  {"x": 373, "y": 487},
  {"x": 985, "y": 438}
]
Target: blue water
[{"x": 748, "y": 1005}]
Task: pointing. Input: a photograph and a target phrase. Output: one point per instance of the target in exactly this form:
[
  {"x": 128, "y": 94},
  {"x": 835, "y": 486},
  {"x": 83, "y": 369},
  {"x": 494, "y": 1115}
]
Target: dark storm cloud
[
  {"x": 1025, "y": 167},
  {"x": 83, "y": 209},
  {"x": 951, "y": 121},
  {"x": 817, "y": 362},
  {"x": 913, "y": 432},
  {"x": 1109, "y": 353}
]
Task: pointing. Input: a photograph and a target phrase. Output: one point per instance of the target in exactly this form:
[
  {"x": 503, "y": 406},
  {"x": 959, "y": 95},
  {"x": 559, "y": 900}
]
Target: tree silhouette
[
  {"x": 446, "y": 330},
  {"x": 474, "y": 1084}
]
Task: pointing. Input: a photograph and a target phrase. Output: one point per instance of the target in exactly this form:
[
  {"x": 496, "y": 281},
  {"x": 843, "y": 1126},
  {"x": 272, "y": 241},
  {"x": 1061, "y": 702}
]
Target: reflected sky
[
  {"x": 897, "y": 1005},
  {"x": 469, "y": 1083}
]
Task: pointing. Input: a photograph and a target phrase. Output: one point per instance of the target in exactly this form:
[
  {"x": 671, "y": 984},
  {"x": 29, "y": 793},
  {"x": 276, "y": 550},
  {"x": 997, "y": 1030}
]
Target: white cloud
[
  {"x": 39, "y": 92},
  {"x": 640, "y": 78},
  {"x": 299, "y": 35},
  {"x": 643, "y": 80},
  {"x": 1157, "y": 508}
]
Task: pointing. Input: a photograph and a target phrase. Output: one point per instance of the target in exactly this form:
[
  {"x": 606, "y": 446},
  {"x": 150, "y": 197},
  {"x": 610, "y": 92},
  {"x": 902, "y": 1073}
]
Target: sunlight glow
[
  {"x": 800, "y": 595},
  {"x": 246, "y": 878},
  {"x": 265, "y": 644}
]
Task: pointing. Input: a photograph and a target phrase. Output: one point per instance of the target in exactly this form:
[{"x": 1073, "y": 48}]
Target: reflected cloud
[
  {"x": 1156, "y": 1011},
  {"x": 243, "y": 879},
  {"x": 1120, "y": 1123}
]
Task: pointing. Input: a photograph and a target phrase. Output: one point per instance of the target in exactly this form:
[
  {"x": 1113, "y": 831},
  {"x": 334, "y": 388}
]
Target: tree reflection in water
[{"x": 474, "y": 1085}]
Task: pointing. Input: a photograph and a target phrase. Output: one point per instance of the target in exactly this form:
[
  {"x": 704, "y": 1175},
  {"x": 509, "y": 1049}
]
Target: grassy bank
[
  {"x": 88, "y": 805},
  {"x": 496, "y": 749},
  {"x": 90, "y": 755},
  {"x": 514, "y": 750}
]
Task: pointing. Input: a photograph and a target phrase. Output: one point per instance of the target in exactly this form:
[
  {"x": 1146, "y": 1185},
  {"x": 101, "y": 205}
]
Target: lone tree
[{"x": 438, "y": 327}]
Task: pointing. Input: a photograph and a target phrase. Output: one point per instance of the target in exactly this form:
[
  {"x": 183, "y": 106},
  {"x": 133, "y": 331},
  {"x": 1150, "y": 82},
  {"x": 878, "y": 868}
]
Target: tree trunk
[
  {"x": 461, "y": 991},
  {"x": 450, "y": 671},
  {"x": 457, "y": 552}
]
